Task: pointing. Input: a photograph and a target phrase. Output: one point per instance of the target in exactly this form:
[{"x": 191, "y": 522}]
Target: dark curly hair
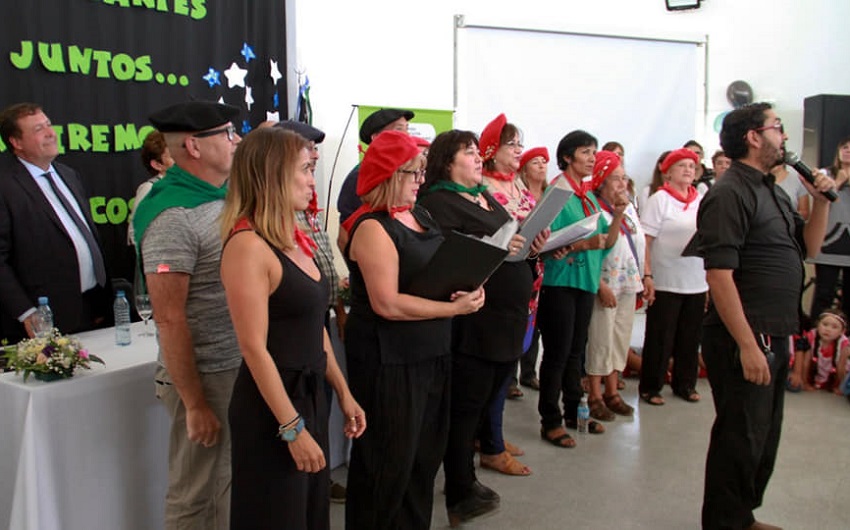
[{"x": 737, "y": 123}]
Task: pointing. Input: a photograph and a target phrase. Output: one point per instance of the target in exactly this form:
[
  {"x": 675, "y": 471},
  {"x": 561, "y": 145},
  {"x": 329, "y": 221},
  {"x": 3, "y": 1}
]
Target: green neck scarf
[
  {"x": 451, "y": 185},
  {"x": 178, "y": 189}
]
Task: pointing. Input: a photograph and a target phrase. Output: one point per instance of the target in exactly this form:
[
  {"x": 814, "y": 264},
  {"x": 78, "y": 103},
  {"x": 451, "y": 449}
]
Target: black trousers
[
  {"x": 476, "y": 383},
  {"x": 826, "y": 278},
  {"x": 745, "y": 435},
  {"x": 394, "y": 464},
  {"x": 672, "y": 330},
  {"x": 563, "y": 316}
]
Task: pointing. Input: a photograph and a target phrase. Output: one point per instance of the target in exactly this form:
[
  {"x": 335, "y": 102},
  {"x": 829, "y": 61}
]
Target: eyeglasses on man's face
[
  {"x": 230, "y": 130},
  {"x": 778, "y": 126}
]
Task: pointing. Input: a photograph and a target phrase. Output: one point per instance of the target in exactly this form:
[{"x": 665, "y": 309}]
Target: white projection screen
[{"x": 645, "y": 93}]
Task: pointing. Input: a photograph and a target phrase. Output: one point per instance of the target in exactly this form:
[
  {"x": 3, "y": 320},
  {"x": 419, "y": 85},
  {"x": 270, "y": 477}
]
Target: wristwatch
[{"x": 291, "y": 434}]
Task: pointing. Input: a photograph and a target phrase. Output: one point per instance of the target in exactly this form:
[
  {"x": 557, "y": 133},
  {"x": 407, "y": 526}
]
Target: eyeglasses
[
  {"x": 417, "y": 173},
  {"x": 778, "y": 126},
  {"x": 513, "y": 144},
  {"x": 230, "y": 130}
]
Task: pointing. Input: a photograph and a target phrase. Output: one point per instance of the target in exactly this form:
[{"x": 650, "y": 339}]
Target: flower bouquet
[{"x": 49, "y": 358}]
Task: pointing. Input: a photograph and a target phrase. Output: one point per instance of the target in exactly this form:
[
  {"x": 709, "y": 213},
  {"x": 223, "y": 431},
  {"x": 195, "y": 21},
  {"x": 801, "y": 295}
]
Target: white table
[{"x": 88, "y": 452}]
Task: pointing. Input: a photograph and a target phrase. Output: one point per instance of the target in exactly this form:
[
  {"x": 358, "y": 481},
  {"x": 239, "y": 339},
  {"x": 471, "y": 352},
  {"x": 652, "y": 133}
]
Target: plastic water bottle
[
  {"x": 121, "y": 309},
  {"x": 583, "y": 415},
  {"x": 43, "y": 322}
]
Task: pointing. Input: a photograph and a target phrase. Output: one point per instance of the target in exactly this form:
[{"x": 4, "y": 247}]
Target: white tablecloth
[{"x": 90, "y": 452}]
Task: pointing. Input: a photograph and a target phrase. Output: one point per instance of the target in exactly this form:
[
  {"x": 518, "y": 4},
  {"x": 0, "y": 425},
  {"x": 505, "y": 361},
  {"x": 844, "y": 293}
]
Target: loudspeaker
[{"x": 826, "y": 120}]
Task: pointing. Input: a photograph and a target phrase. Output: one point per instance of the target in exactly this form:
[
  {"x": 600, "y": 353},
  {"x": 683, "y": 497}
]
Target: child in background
[{"x": 822, "y": 354}]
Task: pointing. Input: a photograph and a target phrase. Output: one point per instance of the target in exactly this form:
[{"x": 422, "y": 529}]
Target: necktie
[{"x": 96, "y": 256}]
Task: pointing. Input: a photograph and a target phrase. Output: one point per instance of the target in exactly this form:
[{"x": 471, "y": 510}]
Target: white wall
[{"x": 400, "y": 53}]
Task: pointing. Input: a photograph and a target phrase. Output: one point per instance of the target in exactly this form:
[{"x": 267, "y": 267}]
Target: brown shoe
[
  {"x": 505, "y": 463},
  {"x": 616, "y": 404},
  {"x": 599, "y": 411}
]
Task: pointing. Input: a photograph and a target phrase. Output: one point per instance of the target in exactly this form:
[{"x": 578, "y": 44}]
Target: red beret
[
  {"x": 387, "y": 152},
  {"x": 421, "y": 142},
  {"x": 606, "y": 163},
  {"x": 489, "y": 142},
  {"x": 532, "y": 153},
  {"x": 677, "y": 155}
]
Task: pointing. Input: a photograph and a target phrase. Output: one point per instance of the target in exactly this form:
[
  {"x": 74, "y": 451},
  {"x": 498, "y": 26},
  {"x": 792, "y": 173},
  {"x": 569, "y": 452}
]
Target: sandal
[
  {"x": 558, "y": 437},
  {"x": 513, "y": 449},
  {"x": 690, "y": 395},
  {"x": 505, "y": 463},
  {"x": 514, "y": 392},
  {"x": 616, "y": 404},
  {"x": 653, "y": 398},
  {"x": 593, "y": 427},
  {"x": 599, "y": 411}
]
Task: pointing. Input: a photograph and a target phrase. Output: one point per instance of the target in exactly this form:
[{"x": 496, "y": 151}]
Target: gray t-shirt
[{"x": 189, "y": 241}]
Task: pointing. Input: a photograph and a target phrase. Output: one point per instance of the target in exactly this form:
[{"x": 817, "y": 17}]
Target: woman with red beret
[
  {"x": 678, "y": 283},
  {"x": 614, "y": 308},
  {"x": 533, "y": 170},
  {"x": 397, "y": 345}
]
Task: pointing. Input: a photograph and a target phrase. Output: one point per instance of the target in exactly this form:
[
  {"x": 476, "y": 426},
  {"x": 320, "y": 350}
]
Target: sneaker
[{"x": 337, "y": 492}]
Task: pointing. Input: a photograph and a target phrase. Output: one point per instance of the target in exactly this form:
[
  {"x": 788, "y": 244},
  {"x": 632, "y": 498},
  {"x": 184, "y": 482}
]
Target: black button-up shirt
[{"x": 747, "y": 224}]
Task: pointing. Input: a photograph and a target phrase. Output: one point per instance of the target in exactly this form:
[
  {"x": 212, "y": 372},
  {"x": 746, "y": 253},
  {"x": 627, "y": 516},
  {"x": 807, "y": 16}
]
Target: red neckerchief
[
  {"x": 581, "y": 188},
  {"x": 364, "y": 209},
  {"x": 691, "y": 197},
  {"x": 241, "y": 225},
  {"x": 312, "y": 212},
  {"x": 504, "y": 177},
  {"x": 305, "y": 242}
]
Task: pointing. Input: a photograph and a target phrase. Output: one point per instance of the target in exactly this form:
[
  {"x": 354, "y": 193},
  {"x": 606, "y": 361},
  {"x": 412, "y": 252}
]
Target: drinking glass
[{"x": 144, "y": 309}]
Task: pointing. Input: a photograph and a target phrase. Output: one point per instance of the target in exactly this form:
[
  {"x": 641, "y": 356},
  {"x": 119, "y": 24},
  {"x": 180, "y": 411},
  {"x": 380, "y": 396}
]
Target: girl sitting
[{"x": 822, "y": 354}]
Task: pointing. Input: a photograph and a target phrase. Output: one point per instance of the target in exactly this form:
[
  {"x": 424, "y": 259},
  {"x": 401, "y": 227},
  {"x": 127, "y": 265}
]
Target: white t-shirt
[{"x": 673, "y": 226}]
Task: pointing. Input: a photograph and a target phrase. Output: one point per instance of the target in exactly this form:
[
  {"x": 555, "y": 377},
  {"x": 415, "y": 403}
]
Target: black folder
[{"x": 462, "y": 263}]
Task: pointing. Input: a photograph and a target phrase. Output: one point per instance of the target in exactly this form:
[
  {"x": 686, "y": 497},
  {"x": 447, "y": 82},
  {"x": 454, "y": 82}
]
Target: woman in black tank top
[
  {"x": 397, "y": 344},
  {"x": 277, "y": 298}
]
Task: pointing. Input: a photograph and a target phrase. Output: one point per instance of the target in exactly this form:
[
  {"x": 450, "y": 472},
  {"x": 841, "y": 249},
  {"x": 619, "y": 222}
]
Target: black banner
[{"x": 99, "y": 67}]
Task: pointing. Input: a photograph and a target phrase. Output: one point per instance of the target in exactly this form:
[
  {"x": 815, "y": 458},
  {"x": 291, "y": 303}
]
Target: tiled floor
[{"x": 647, "y": 472}]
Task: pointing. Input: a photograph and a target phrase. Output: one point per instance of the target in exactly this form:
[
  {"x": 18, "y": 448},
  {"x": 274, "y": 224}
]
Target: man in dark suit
[{"x": 48, "y": 241}]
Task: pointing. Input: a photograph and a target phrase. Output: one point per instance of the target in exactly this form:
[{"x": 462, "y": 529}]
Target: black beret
[
  {"x": 193, "y": 116},
  {"x": 307, "y": 131},
  {"x": 380, "y": 119}
]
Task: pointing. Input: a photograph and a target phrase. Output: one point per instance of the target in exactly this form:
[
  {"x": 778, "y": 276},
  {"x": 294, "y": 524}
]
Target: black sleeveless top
[
  {"x": 396, "y": 341},
  {"x": 295, "y": 337},
  {"x": 297, "y": 319}
]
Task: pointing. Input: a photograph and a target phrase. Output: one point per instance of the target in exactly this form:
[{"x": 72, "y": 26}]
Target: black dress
[
  {"x": 268, "y": 491},
  {"x": 399, "y": 372},
  {"x": 485, "y": 344}
]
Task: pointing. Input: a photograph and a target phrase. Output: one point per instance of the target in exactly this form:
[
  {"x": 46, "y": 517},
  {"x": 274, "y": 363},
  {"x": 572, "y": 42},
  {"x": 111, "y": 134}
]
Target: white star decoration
[
  {"x": 249, "y": 99},
  {"x": 274, "y": 71},
  {"x": 235, "y": 76},
  {"x": 272, "y": 116}
]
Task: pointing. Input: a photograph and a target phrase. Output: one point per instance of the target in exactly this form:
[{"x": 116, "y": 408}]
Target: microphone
[{"x": 794, "y": 161}]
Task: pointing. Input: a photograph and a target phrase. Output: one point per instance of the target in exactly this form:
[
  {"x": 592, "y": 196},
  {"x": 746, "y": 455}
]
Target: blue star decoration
[
  {"x": 276, "y": 100},
  {"x": 246, "y": 127},
  {"x": 247, "y": 52},
  {"x": 213, "y": 77}
]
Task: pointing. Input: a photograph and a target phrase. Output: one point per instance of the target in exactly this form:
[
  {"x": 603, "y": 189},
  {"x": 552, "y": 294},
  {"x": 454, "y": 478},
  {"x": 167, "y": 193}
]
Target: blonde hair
[
  {"x": 384, "y": 194},
  {"x": 259, "y": 185}
]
